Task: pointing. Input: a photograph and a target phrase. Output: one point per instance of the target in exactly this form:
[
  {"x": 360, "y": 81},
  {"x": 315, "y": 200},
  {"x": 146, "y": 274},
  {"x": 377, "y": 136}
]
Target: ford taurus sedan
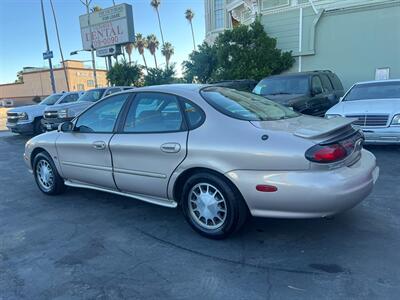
[
  {"x": 219, "y": 153},
  {"x": 375, "y": 108}
]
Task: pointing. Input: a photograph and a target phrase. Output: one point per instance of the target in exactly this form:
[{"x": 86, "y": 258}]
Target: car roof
[
  {"x": 377, "y": 81},
  {"x": 305, "y": 73}
]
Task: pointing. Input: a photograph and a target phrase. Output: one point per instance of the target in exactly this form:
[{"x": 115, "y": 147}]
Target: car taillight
[{"x": 326, "y": 153}]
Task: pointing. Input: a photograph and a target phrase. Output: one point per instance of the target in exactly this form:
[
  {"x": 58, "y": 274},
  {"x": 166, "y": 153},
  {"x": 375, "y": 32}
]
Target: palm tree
[
  {"x": 128, "y": 49},
  {"x": 141, "y": 44},
  {"x": 189, "y": 15},
  {"x": 156, "y": 4},
  {"x": 152, "y": 45},
  {"x": 167, "y": 50}
]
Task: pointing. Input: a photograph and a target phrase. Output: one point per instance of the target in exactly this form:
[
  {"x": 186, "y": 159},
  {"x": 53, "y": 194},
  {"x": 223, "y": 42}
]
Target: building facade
[
  {"x": 36, "y": 81},
  {"x": 357, "y": 39}
]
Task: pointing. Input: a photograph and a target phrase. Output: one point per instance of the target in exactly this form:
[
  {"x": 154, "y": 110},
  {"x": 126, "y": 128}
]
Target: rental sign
[{"x": 110, "y": 26}]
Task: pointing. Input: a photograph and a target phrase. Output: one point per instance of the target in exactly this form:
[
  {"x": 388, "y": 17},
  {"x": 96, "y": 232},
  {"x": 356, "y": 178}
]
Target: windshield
[
  {"x": 282, "y": 85},
  {"x": 245, "y": 106},
  {"x": 50, "y": 100},
  {"x": 92, "y": 95},
  {"x": 376, "y": 90}
]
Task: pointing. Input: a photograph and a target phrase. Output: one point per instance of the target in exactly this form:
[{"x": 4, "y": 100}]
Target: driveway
[{"x": 94, "y": 245}]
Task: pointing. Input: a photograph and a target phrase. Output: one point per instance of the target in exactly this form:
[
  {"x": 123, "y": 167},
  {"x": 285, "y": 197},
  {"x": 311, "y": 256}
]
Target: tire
[
  {"x": 56, "y": 185},
  {"x": 38, "y": 127},
  {"x": 205, "y": 196}
]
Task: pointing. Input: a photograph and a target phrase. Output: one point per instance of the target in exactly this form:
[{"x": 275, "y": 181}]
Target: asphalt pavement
[{"x": 91, "y": 245}]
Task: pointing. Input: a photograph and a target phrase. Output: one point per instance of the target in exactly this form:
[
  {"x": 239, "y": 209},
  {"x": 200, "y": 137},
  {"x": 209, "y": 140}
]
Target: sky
[{"x": 22, "y": 39}]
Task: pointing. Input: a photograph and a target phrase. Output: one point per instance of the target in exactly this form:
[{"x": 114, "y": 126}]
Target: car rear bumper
[
  {"x": 26, "y": 127},
  {"x": 388, "y": 135},
  {"x": 307, "y": 194}
]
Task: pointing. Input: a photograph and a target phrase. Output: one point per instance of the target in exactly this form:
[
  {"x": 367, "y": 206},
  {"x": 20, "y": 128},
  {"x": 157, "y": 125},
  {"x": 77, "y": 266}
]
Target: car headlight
[
  {"x": 396, "y": 120},
  {"x": 331, "y": 116},
  {"x": 22, "y": 116},
  {"x": 63, "y": 114}
]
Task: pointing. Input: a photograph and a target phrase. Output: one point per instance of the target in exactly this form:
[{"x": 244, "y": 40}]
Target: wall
[{"x": 353, "y": 43}]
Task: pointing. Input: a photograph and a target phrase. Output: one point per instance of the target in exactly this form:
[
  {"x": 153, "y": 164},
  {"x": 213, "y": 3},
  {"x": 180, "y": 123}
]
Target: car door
[
  {"x": 149, "y": 145},
  {"x": 317, "y": 105},
  {"x": 84, "y": 153},
  {"x": 331, "y": 97}
]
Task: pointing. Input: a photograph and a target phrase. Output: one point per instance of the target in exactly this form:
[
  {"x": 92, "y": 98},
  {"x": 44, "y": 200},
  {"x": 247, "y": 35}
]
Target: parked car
[
  {"x": 57, "y": 114},
  {"x": 375, "y": 106},
  {"x": 219, "y": 153},
  {"x": 310, "y": 93},
  {"x": 27, "y": 119},
  {"x": 246, "y": 85},
  {"x": 7, "y": 102}
]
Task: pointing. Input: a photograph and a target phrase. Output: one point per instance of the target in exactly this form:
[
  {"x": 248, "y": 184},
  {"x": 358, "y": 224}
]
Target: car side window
[
  {"x": 112, "y": 91},
  {"x": 154, "y": 112},
  {"x": 316, "y": 84},
  {"x": 70, "y": 98},
  {"x": 102, "y": 116},
  {"x": 326, "y": 83},
  {"x": 194, "y": 115}
]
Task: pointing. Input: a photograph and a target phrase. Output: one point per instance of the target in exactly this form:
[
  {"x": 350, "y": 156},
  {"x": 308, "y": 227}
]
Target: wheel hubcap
[
  {"x": 45, "y": 174},
  {"x": 207, "y": 206}
]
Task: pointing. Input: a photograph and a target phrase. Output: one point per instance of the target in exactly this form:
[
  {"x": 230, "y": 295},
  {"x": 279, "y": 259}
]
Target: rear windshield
[
  {"x": 92, "y": 95},
  {"x": 244, "y": 105},
  {"x": 282, "y": 85},
  {"x": 376, "y": 90},
  {"x": 50, "y": 100}
]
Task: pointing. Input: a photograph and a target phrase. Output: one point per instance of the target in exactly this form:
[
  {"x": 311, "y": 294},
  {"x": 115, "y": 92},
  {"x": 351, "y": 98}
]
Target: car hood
[
  {"x": 304, "y": 126},
  {"x": 378, "y": 106},
  {"x": 73, "y": 105},
  {"x": 35, "y": 110},
  {"x": 285, "y": 99}
]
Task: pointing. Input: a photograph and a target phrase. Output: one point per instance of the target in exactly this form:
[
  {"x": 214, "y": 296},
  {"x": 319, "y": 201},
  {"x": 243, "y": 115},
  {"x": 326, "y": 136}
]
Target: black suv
[{"x": 311, "y": 93}]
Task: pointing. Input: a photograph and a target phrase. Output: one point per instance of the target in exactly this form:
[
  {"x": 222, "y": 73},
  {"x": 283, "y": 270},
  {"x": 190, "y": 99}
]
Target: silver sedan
[{"x": 219, "y": 153}]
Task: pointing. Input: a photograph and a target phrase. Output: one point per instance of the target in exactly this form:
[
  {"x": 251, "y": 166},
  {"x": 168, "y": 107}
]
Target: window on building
[
  {"x": 218, "y": 14},
  {"x": 90, "y": 83},
  {"x": 269, "y": 4}
]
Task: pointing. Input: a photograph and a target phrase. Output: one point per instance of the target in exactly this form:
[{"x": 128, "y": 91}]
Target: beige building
[{"x": 36, "y": 81}]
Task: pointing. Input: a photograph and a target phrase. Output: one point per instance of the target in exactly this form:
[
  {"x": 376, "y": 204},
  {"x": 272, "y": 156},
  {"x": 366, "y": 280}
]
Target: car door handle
[
  {"x": 99, "y": 145},
  {"x": 170, "y": 147}
]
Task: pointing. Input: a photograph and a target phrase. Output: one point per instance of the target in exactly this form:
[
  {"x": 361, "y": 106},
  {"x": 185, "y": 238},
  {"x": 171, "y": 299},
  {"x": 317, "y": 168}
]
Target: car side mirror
[
  {"x": 317, "y": 90},
  {"x": 66, "y": 127}
]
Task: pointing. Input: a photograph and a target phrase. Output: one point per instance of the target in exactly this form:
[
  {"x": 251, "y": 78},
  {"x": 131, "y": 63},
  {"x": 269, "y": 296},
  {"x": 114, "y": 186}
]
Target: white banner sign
[{"x": 110, "y": 26}]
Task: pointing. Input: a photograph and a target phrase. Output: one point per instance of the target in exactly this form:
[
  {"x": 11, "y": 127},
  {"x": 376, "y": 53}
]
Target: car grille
[
  {"x": 12, "y": 117},
  {"x": 50, "y": 114},
  {"x": 370, "y": 120}
]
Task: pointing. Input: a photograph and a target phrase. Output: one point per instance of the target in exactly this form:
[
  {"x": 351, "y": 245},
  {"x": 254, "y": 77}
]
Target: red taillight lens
[
  {"x": 266, "y": 188},
  {"x": 326, "y": 154}
]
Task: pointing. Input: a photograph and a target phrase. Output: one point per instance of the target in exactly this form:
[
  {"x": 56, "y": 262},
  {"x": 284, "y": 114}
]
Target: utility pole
[
  {"x": 59, "y": 45},
  {"x": 53, "y": 85},
  {"x": 87, "y": 4}
]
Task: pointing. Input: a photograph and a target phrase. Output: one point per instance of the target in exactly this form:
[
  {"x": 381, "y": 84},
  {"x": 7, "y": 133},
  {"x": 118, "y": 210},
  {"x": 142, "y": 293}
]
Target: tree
[
  {"x": 189, "y": 15},
  {"x": 201, "y": 64},
  {"x": 248, "y": 52},
  {"x": 152, "y": 46},
  {"x": 157, "y": 76},
  {"x": 167, "y": 50},
  {"x": 245, "y": 52},
  {"x": 141, "y": 44},
  {"x": 95, "y": 8},
  {"x": 124, "y": 74},
  {"x": 156, "y": 4},
  {"x": 129, "y": 48},
  {"x": 20, "y": 77}
]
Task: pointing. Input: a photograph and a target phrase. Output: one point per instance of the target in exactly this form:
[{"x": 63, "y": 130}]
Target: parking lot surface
[{"x": 91, "y": 245}]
